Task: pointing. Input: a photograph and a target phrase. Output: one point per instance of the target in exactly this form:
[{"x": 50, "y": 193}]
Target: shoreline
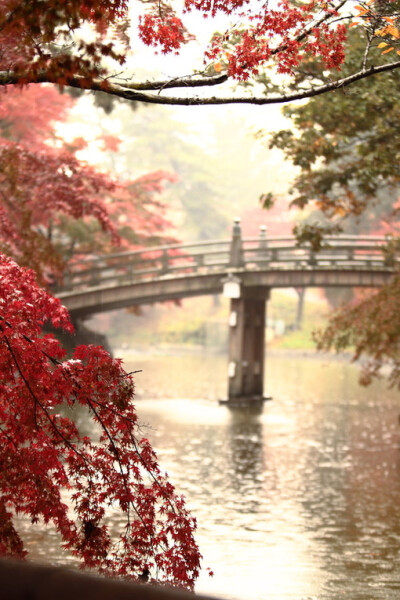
[{"x": 197, "y": 350}]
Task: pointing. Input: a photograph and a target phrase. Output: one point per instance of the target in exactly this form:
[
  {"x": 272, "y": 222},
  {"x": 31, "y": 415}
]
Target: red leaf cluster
[
  {"x": 31, "y": 31},
  {"x": 44, "y": 189},
  {"x": 50, "y": 471},
  {"x": 167, "y": 32},
  {"x": 45, "y": 39},
  {"x": 283, "y": 34},
  {"x": 28, "y": 115},
  {"x": 35, "y": 187}
]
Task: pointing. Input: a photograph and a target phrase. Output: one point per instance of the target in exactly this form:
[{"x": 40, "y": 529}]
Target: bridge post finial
[
  {"x": 263, "y": 247},
  {"x": 263, "y": 236},
  {"x": 236, "y": 250},
  {"x": 236, "y": 226}
]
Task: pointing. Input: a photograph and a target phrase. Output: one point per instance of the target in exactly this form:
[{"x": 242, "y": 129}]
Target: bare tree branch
[
  {"x": 188, "y": 81},
  {"x": 132, "y": 91}
]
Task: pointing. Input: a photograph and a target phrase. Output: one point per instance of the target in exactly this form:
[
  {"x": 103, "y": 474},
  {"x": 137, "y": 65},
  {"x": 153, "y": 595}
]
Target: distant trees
[
  {"x": 152, "y": 136},
  {"x": 54, "y": 206}
]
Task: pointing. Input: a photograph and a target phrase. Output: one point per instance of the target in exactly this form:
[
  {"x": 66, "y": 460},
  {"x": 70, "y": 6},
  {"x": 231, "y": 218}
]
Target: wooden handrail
[{"x": 181, "y": 259}]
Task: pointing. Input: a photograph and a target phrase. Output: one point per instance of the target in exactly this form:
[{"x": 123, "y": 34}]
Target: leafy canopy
[
  {"x": 84, "y": 43},
  {"x": 344, "y": 143},
  {"x": 347, "y": 150}
]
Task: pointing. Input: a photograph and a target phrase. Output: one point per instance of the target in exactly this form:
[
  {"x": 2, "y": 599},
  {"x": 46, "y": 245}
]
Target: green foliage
[
  {"x": 345, "y": 146},
  {"x": 314, "y": 235},
  {"x": 267, "y": 201},
  {"x": 348, "y": 151}
]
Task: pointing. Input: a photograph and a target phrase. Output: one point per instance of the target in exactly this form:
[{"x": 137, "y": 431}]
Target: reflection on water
[{"x": 300, "y": 501}]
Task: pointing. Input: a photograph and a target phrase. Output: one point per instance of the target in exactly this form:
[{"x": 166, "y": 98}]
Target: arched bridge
[
  {"x": 180, "y": 271},
  {"x": 247, "y": 269}
]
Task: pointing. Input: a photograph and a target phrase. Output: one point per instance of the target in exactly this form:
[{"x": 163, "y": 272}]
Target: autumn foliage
[
  {"x": 52, "y": 472},
  {"x": 287, "y": 29},
  {"x": 369, "y": 326},
  {"x": 87, "y": 44},
  {"x": 53, "y": 206},
  {"x": 36, "y": 186},
  {"x": 30, "y": 30},
  {"x": 114, "y": 509},
  {"x": 348, "y": 181}
]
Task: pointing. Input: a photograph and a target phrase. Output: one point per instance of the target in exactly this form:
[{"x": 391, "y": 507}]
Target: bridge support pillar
[{"x": 246, "y": 346}]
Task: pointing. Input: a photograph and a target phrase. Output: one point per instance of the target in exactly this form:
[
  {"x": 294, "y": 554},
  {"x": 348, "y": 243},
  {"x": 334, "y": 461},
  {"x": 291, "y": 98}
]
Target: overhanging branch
[
  {"x": 136, "y": 92},
  {"x": 189, "y": 81}
]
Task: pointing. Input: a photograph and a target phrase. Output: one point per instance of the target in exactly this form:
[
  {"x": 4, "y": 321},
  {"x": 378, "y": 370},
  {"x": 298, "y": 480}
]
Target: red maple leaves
[
  {"x": 35, "y": 186},
  {"x": 28, "y": 32},
  {"x": 166, "y": 32},
  {"x": 285, "y": 34},
  {"x": 282, "y": 34},
  {"x": 50, "y": 471},
  {"x": 54, "y": 206}
]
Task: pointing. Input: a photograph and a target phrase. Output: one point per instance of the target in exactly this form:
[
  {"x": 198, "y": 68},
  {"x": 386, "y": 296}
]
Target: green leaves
[
  {"x": 348, "y": 151},
  {"x": 314, "y": 234},
  {"x": 344, "y": 142},
  {"x": 267, "y": 200}
]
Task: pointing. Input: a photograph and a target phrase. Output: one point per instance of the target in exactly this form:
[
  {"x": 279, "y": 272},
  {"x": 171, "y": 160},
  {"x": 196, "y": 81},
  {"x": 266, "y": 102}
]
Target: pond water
[{"x": 299, "y": 501}]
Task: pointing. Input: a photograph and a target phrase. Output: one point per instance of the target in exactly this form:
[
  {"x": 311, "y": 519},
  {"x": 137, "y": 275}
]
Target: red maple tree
[
  {"x": 50, "y": 471},
  {"x": 45, "y": 189}
]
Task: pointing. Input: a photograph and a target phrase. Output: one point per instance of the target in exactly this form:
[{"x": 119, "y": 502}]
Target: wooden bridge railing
[{"x": 344, "y": 252}]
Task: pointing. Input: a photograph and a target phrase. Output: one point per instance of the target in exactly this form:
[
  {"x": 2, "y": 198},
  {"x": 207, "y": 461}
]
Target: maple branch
[
  {"x": 370, "y": 38},
  {"x": 68, "y": 444},
  {"x": 179, "y": 82},
  {"x": 127, "y": 92},
  {"x": 116, "y": 453},
  {"x": 134, "y": 444},
  {"x": 119, "y": 91},
  {"x": 156, "y": 481},
  {"x": 125, "y": 478},
  {"x": 302, "y": 36},
  {"x": 38, "y": 403},
  {"x": 24, "y": 379},
  {"x": 55, "y": 361}
]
